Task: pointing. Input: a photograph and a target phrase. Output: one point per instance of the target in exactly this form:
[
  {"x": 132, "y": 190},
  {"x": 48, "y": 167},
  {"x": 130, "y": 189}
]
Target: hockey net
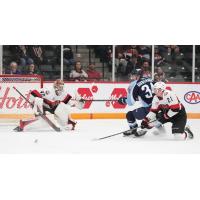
[{"x": 12, "y": 106}]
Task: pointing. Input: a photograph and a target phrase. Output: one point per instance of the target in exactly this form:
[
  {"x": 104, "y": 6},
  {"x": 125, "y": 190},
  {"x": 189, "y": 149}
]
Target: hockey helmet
[
  {"x": 159, "y": 86},
  {"x": 137, "y": 72},
  {"x": 58, "y": 85}
]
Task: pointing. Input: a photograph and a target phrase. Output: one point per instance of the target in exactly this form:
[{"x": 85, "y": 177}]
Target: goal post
[{"x": 12, "y": 106}]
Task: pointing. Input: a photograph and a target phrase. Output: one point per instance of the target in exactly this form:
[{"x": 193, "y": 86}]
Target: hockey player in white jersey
[
  {"x": 166, "y": 107},
  {"x": 57, "y": 101}
]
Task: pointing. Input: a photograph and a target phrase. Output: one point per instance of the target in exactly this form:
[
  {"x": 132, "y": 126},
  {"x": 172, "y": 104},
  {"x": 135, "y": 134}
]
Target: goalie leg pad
[
  {"x": 23, "y": 124},
  {"x": 38, "y": 102},
  {"x": 63, "y": 113}
]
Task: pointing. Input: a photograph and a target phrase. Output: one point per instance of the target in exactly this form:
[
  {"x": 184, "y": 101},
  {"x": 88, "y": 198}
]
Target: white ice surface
[{"x": 82, "y": 139}]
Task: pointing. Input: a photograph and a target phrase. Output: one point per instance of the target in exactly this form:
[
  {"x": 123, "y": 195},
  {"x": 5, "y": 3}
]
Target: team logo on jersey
[{"x": 192, "y": 97}]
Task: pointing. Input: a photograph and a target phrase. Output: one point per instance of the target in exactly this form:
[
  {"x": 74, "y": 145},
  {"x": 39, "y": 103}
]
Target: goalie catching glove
[{"x": 80, "y": 104}]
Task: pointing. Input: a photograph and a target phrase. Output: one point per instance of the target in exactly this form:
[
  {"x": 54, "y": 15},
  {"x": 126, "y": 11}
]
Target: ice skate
[
  {"x": 20, "y": 128},
  {"x": 130, "y": 132},
  {"x": 73, "y": 123},
  {"x": 141, "y": 132},
  {"x": 188, "y": 132}
]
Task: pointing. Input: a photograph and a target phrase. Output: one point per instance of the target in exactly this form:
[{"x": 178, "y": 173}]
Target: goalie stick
[{"x": 44, "y": 117}]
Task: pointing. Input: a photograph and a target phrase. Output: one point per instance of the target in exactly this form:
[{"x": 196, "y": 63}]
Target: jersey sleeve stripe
[
  {"x": 67, "y": 98},
  {"x": 35, "y": 93}
]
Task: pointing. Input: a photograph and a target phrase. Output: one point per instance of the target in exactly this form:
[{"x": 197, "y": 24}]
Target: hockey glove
[
  {"x": 145, "y": 124},
  {"x": 82, "y": 100},
  {"x": 122, "y": 100},
  {"x": 162, "y": 116},
  {"x": 80, "y": 104},
  {"x": 55, "y": 104}
]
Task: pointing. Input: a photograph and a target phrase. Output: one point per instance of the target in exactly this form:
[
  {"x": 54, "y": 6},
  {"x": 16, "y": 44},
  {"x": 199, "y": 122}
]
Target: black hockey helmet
[{"x": 137, "y": 72}]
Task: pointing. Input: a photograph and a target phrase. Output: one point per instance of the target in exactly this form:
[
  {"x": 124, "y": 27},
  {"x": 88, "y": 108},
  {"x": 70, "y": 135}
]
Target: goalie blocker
[{"x": 55, "y": 102}]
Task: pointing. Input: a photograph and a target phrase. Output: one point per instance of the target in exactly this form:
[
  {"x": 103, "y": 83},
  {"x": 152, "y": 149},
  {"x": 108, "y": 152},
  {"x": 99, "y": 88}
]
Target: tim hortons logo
[
  {"x": 86, "y": 94},
  {"x": 192, "y": 97},
  {"x": 9, "y": 102}
]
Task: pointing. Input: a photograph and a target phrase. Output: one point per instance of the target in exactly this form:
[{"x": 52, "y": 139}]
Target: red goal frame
[{"x": 23, "y": 78}]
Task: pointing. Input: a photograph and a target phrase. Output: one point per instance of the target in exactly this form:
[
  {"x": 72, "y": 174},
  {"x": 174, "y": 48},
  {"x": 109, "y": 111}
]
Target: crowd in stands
[
  {"x": 78, "y": 74},
  {"x": 172, "y": 62},
  {"x": 175, "y": 61},
  {"x": 132, "y": 57},
  {"x": 32, "y": 59}
]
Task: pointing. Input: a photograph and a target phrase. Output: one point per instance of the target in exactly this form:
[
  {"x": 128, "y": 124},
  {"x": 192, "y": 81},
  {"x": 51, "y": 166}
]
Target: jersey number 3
[{"x": 147, "y": 90}]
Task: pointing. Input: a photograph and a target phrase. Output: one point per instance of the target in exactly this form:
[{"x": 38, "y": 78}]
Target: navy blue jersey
[{"x": 140, "y": 90}]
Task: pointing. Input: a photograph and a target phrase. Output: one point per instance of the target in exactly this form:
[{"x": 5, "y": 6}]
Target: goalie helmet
[
  {"x": 159, "y": 85},
  {"x": 58, "y": 86}
]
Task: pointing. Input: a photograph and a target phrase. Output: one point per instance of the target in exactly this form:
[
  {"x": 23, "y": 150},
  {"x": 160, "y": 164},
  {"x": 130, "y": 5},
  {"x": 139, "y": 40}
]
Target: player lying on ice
[
  {"x": 56, "y": 103},
  {"x": 166, "y": 107}
]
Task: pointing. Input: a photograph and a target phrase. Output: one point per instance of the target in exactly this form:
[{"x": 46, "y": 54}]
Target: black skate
[
  {"x": 18, "y": 129},
  {"x": 140, "y": 132},
  {"x": 188, "y": 132},
  {"x": 135, "y": 132},
  {"x": 73, "y": 123},
  {"x": 130, "y": 132}
]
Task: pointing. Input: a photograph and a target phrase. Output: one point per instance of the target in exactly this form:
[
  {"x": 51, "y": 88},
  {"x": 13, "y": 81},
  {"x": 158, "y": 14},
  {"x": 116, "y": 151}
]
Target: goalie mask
[{"x": 58, "y": 87}]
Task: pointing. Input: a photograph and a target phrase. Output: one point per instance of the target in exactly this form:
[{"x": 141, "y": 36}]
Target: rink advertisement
[{"x": 12, "y": 105}]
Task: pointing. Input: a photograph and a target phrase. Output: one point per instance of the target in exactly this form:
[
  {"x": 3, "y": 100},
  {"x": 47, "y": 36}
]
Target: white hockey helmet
[
  {"x": 58, "y": 85},
  {"x": 159, "y": 85}
]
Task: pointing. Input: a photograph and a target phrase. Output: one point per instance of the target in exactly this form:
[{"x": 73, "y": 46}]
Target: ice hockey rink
[{"x": 82, "y": 140}]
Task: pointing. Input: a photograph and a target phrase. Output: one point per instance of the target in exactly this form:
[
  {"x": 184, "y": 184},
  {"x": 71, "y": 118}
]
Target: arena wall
[{"x": 13, "y": 106}]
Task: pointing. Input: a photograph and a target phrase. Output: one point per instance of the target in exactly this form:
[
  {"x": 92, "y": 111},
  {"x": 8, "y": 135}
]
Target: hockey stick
[
  {"x": 44, "y": 117},
  {"x": 113, "y": 134},
  {"x": 96, "y": 99},
  {"x": 123, "y": 132},
  {"x": 100, "y": 100}
]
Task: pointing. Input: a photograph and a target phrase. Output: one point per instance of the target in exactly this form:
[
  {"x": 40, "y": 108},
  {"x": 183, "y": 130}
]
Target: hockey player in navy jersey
[{"x": 140, "y": 95}]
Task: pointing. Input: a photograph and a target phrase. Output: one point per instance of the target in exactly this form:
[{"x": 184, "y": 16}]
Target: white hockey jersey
[
  {"x": 50, "y": 95},
  {"x": 169, "y": 104}
]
